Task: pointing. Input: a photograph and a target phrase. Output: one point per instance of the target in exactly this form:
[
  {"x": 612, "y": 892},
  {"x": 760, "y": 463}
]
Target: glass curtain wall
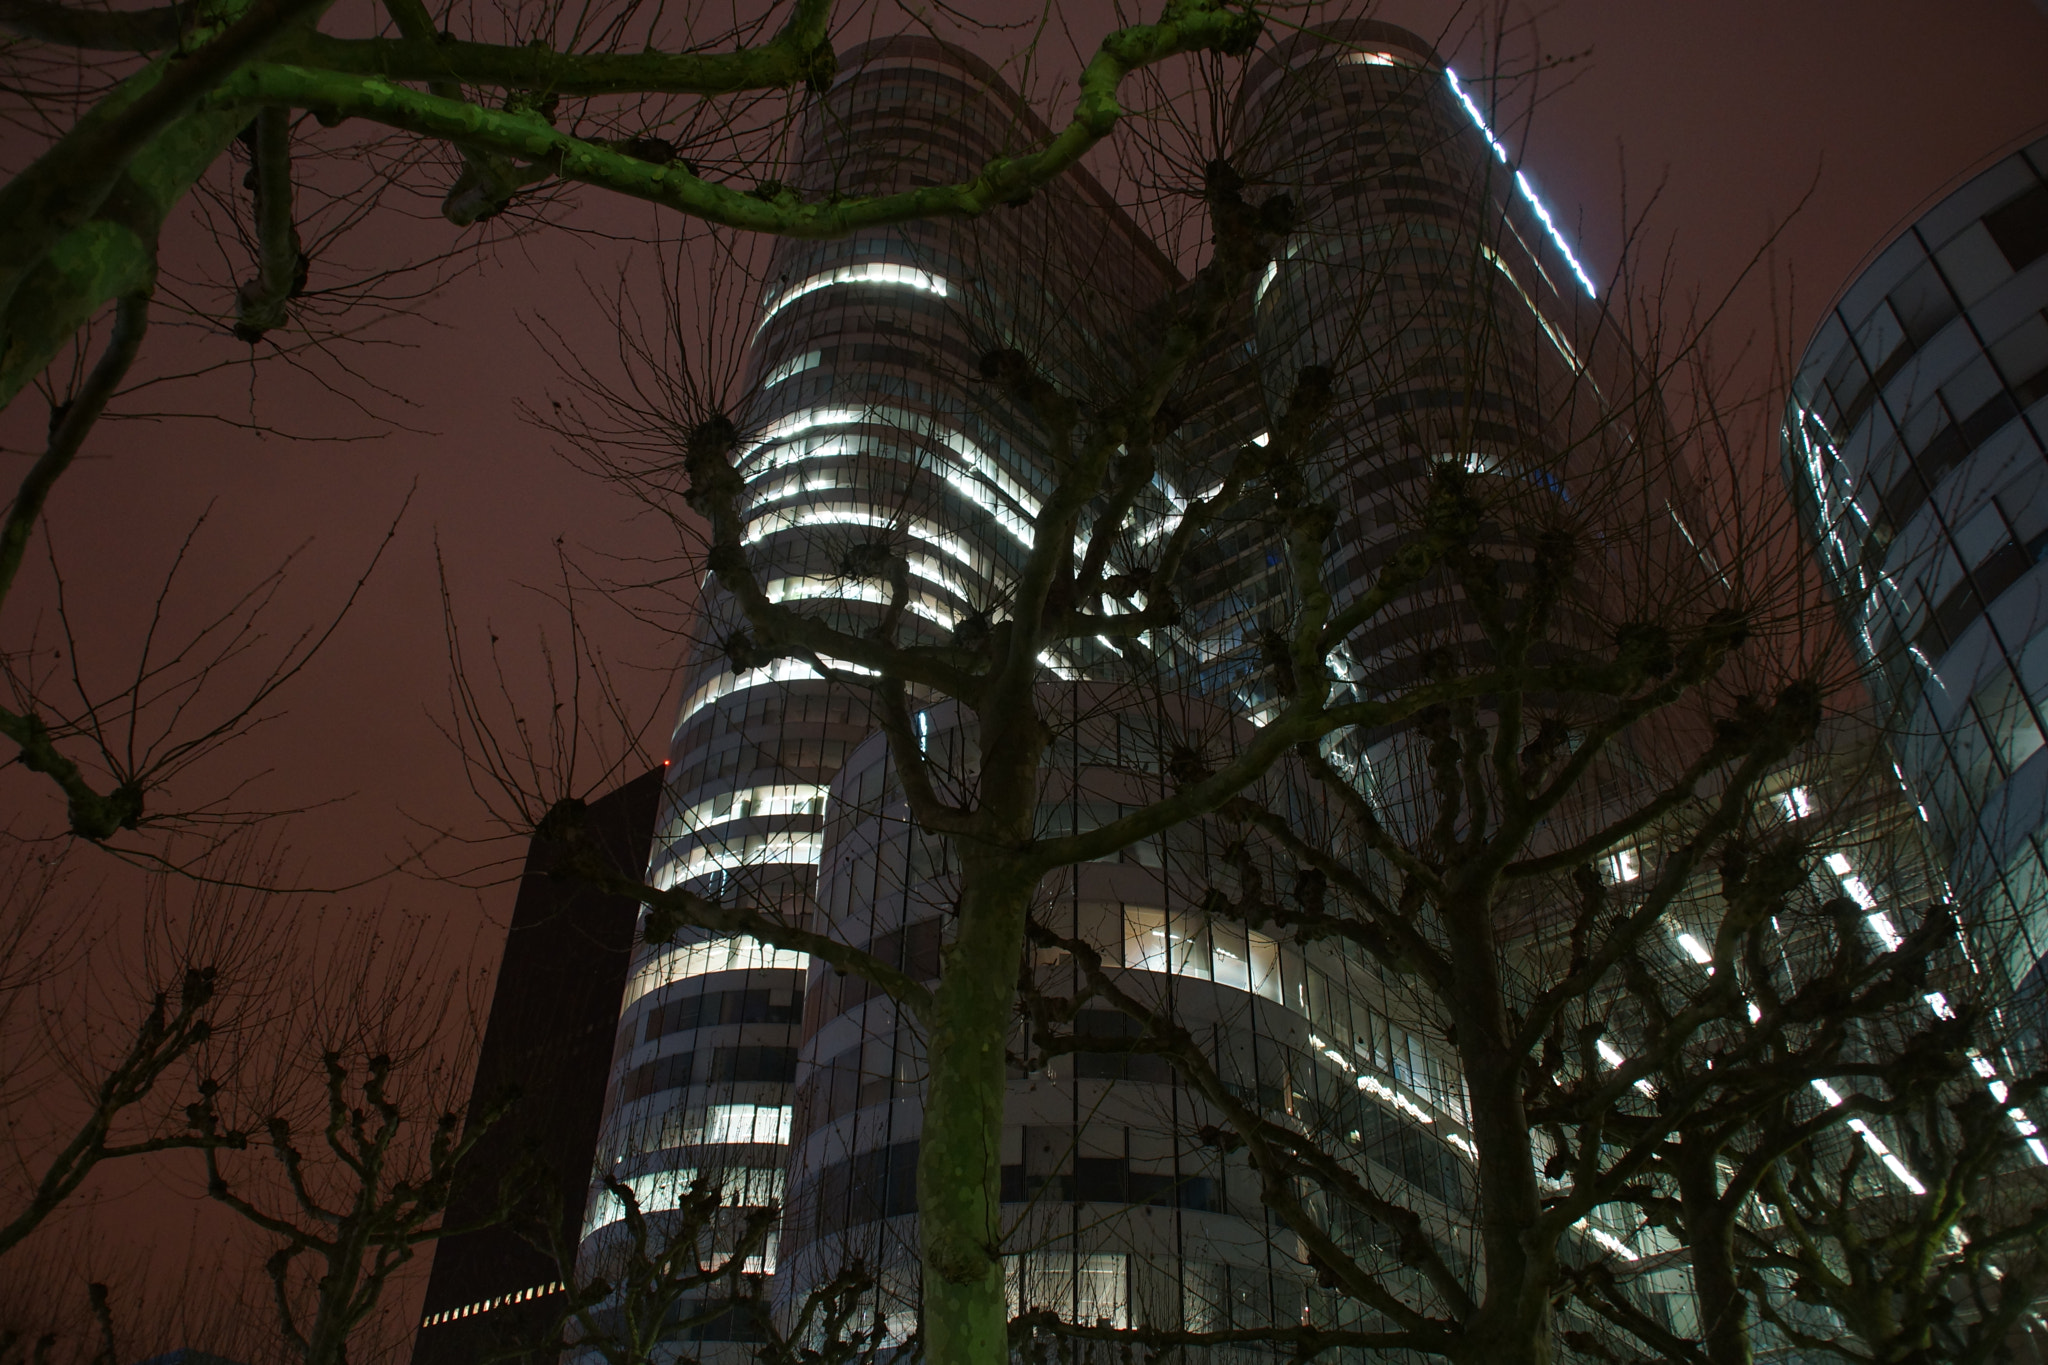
[{"x": 1915, "y": 441}]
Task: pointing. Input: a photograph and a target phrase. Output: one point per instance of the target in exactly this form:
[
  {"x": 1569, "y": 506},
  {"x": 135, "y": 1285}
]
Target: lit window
[
  {"x": 767, "y": 1123},
  {"x": 1622, "y": 866},
  {"x": 741, "y": 1187},
  {"x": 740, "y": 953},
  {"x": 846, "y": 514},
  {"x": 860, "y": 590},
  {"x": 789, "y": 369},
  {"x": 789, "y": 798},
  {"x": 1087, "y": 1289},
  {"x": 868, "y": 273},
  {"x": 1795, "y": 804},
  {"x": 1229, "y": 954},
  {"x": 759, "y": 850},
  {"x": 781, "y": 671},
  {"x": 1372, "y": 59}
]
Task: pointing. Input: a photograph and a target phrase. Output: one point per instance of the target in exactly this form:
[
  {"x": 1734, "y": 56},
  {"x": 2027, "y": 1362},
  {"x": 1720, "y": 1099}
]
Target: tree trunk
[
  {"x": 1515, "y": 1323},
  {"x": 1722, "y": 1307},
  {"x": 966, "y": 1318}
]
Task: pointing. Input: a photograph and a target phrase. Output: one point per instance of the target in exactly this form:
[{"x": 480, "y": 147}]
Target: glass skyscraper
[
  {"x": 1916, "y": 441},
  {"x": 1458, "y": 327},
  {"x": 869, "y": 432}
]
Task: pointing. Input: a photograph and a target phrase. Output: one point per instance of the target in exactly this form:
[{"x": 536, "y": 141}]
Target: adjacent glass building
[{"x": 1916, "y": 443}]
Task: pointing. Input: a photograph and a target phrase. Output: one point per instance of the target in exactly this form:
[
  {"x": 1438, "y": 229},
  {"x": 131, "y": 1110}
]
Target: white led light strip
[
  {"x": 872, "y": 272},
  {"x": 1522, "y": 184}
]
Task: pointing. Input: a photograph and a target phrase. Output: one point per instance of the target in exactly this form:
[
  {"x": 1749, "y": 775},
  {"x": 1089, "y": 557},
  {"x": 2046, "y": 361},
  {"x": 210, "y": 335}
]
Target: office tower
[
  {"x": 1914, "y": 442},
  {"x": 1461, "y": 329},
  {"x": 870, "y": 433},
  {"x": 1115, "y": 1208},
  {"x": 547, "y": 1043}
]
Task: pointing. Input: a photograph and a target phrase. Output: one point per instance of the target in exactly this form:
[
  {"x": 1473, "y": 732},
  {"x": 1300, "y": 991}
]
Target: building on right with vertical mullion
[{"x": 1916, "y": 443}]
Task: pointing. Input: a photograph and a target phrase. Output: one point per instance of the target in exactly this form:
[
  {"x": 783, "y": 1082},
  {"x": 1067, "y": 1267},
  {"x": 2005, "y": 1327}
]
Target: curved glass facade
[
  {"x": 1428, "y": 279},
  {"x": 868, "y": 432},
  {"x": 1916, "y": 441},
  {"x": 1116, "y": 1207}
]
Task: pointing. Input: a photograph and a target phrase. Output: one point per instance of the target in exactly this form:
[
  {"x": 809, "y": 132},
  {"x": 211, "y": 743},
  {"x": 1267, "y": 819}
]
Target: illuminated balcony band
[
  {"x": 867, "y": 273},
  {"x": 687, "y": 961}
]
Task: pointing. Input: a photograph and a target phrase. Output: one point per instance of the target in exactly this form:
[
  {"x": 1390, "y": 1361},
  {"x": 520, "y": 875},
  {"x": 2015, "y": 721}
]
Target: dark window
[
  {"x": 649, "y": 1078},
  {"x": 1923, "y": 304},
  {"x": 724, "y": 1007},
  {"x": 773, "y": 1064},
  {"x": 2021, "y": 227},
  {"x": 1940, "y": 455},
  {"x": 1982, "y": 586},
  {"x": 1110, "y": 1026}
]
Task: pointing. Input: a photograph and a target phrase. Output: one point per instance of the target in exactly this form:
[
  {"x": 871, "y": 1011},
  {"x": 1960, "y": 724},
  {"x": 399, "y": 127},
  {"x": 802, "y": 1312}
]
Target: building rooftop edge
[{"x": 918, "y": 45}]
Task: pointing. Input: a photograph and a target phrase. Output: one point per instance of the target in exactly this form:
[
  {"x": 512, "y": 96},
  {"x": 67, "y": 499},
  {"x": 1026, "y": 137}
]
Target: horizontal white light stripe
[
  {"x": 787, "y": 798},
  {"x": 663, "y": 1191},
  {"x": 781, "y": 671},
  {"x": 868, "y": 273},
  {"x": 760, "y": 850},
  {"x": 858, "y": 590},
  {"x": 683, "y": 962}
]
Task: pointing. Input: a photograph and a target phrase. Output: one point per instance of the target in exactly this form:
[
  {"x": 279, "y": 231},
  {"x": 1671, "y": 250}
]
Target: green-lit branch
[
  {"x": 1198, "y": 26},
  {"x": 62, "y": 190},
  {"x": 260, "y": 303},
  {"x": 148, "y": 30},
  {"x": 798, "y": 55}
]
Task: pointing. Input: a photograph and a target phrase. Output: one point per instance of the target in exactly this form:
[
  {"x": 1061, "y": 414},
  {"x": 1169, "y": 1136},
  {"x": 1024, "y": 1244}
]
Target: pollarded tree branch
[
  {"x": 166, "y": 1036},
  {"x": 912, "y": 769},
  {"x": 1789, "y": 720},
  {"x": 260, "y": 303},
  {"x": 487, "y": 181},
  {"x": 61, "y": 191},
  {"x": 1195, "y": 26},
  {"x": 147, "y": 30},
  {"x": 68, "y": 431},
  {"x": 1389, "y": 937},
  {"x": 800, "y": 54}
]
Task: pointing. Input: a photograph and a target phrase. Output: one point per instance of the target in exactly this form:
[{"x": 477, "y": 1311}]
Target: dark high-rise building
[{"x": 546, "y": 1047}]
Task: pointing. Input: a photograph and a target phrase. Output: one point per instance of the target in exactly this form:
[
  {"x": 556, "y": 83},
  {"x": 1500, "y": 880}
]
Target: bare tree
[
  {"x": 150, "y": 117},
  {"x": 143, "y": 1046},
  {"x": 361, "y": 1118},
  {"x": 1579, "y": 673},
  {"x": 698, "y": 1268}
]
